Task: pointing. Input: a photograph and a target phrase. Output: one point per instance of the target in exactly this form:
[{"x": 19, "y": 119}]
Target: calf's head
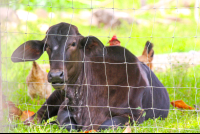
[{"x": 66, "y": 49}]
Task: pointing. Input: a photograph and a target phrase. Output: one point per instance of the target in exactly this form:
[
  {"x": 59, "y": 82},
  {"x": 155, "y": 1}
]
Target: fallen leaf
[
  {"x": 90, "y": 131},
  {"x": 127, "y": 130},
  {"x": 25, "y": 115},
  {"x": 181, "y": 104}
]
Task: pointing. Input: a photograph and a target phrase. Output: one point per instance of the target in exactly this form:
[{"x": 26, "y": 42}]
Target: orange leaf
[
  {"x": 25, "y": 115},
  {"x": 181, "y": 104},
  {"x": 127, "y": 130},
  {"x": 90, "y": 131}
]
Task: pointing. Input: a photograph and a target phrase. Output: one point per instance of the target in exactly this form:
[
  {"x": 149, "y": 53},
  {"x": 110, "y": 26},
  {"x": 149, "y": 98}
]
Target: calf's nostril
[
  {"x": 50, "y": 76},
  {"x": 56, "y": 77},
  {"x": 61, "y": 74}
]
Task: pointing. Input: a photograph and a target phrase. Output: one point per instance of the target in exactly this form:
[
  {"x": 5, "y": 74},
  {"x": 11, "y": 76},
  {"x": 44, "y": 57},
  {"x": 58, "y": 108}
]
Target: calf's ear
[
  {"x": 93, "y": 46},
  {"x": 28, "y": 51}
]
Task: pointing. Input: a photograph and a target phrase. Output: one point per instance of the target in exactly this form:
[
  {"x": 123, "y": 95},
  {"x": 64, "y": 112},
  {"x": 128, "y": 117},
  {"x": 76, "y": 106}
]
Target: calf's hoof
[{"x": 117, "y": 121}]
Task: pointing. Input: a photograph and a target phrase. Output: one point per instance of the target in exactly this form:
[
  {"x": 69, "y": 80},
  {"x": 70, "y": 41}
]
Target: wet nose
[{"x": 56, "y": 77}]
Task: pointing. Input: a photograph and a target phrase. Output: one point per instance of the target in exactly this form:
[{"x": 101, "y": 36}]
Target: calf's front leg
[
  {"x": 65, "y": 119},
  {"x": 49, "y": 108}
]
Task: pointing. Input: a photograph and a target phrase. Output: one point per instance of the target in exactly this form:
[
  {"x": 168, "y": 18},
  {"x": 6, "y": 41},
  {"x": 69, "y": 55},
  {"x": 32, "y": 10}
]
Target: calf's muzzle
[{"x": 57, "y": 79}]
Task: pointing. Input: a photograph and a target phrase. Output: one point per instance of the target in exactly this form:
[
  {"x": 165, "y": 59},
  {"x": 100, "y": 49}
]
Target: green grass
[
  {"x": 177, "y": 121},
  {"x": 182, "y": 82}
]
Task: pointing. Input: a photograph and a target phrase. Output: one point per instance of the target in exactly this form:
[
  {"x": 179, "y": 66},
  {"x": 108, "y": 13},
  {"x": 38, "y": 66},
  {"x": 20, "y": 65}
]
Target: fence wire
[{"x": 12, "y": 87}]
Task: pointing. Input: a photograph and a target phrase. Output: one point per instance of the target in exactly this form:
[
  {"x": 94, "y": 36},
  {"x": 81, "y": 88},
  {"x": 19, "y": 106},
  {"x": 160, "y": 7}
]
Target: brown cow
[{"x": 103, "y": 86}]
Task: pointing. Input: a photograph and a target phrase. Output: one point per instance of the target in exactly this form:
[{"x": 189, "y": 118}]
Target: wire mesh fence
[{"x": 96, "y": 86}]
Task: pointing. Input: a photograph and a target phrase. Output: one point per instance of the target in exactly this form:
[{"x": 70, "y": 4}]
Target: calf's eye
[{"x": 73, "y": 44}]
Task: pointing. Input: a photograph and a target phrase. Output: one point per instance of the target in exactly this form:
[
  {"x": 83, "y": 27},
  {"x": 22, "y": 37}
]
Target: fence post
[
  {"x": 1, "y": 99},
  {"x": 1, "y": 102}
]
